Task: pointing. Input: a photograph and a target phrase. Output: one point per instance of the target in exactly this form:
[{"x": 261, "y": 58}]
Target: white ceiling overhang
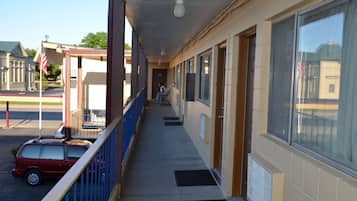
[{"x": 159, "y": 30}]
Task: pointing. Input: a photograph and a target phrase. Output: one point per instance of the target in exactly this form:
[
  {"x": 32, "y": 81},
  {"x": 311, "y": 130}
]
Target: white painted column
[{"x": 8, "y": 80}]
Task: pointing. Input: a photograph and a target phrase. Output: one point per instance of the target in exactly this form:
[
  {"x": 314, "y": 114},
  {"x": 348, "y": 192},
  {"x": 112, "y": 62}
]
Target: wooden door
[
  {"x": 244, "y": 111},
  {"x": 219, "y": 113}
]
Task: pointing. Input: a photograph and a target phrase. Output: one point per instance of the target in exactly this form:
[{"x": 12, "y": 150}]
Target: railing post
[{"x": 115, "y": 75}]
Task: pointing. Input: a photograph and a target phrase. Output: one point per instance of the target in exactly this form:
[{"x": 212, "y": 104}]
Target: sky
[
  {"x": 64, "y": 21},
  {"x": 311, "y": 36}
]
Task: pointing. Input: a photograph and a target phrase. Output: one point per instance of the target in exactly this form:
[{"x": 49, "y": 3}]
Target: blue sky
[
  {"x": 65, "y": 21},
  {"x": 328, "y": 29}
]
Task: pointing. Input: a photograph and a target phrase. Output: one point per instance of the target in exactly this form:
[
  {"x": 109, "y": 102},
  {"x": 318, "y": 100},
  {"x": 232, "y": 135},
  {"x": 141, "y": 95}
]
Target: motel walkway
[{"x": 159, "y": 152}]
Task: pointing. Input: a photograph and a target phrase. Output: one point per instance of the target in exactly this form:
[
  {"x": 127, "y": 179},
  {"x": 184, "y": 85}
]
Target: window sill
[{"x": 206, "y": 103}]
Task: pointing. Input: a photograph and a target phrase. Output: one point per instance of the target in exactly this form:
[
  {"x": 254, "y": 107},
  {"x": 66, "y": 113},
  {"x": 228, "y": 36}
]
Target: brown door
[
  {"x": 158, "y": 76},
  {"x": 244, "y": 112},
  {"x": 219, "y": 113}
]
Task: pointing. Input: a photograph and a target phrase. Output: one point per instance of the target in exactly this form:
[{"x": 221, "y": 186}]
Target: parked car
[{"x": 40, "y": 159}]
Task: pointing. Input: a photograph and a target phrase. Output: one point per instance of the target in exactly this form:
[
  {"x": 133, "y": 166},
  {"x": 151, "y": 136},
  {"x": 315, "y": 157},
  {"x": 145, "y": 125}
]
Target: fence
[{"x": 93, "y": 176}]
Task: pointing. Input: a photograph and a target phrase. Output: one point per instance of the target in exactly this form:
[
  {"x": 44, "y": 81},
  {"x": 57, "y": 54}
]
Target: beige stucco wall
[
  {"x": 329, "y": 75},
  {"x": 305, "y": 177}
]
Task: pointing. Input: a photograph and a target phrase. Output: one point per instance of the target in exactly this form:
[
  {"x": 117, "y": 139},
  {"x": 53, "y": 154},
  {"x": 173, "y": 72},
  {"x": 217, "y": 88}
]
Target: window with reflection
[
  {"x": 326, "y": 84},
  {"x": 281, "y": 61},
  {"x": 204, "y": 76}
]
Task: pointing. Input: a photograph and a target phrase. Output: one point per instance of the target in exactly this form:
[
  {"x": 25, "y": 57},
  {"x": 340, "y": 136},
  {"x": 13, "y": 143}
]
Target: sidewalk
[
  {"x": 27, "y": 132},
  {"x": 160, "y": 151},
  {"x": 26, "y": 123}
]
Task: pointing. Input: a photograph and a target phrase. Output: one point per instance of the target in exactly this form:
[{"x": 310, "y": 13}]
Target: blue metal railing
[{"x": 93, "y": 176}]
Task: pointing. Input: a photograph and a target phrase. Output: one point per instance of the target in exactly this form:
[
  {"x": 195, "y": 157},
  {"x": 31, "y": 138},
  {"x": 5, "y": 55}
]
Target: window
[
  {"x": 204, "y": 77},
  {"x": 75, "y": 152},
  {"x": 176, "y": 77},
  {"x": 31, "y": 151},
  {"x": 190, "y": 81},
  {"x": 179, "y": 67},
  {"x": 52, "y": 152},
  {"x": 322, "y": 111},
  {"x": 327, "y": 126},
  {"x": 282, "y": 51},
  {"x": 331, "y": 88},
  {"x": 190, "y": 66}
]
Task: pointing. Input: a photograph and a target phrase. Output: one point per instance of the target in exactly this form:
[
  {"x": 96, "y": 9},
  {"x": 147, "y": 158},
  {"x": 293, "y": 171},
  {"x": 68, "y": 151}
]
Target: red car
[{"x": 40, "y": 159}]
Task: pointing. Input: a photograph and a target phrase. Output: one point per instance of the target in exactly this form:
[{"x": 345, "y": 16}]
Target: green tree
[
  {"x": 127, "y": 47},
  {"x": 95, "y": 40},
  {"x": 98, "y": 40},
  {"x": 53, "y": 71},
  {"x": 30, "y": 52}
]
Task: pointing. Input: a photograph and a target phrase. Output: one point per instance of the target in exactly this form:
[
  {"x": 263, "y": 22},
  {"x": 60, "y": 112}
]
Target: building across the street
[{"x": 17, "y": 69}]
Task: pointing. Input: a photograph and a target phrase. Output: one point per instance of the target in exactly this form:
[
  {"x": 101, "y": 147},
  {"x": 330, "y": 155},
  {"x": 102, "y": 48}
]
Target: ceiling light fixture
[{"x": 179, "y": 10}]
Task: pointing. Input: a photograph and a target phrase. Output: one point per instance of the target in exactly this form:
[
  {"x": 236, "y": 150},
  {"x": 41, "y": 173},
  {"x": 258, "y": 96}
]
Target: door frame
[
  {"x": 218, "y": 138},
  {"x": 153, "y": 86},
  {"x": 239, "y": 142}
]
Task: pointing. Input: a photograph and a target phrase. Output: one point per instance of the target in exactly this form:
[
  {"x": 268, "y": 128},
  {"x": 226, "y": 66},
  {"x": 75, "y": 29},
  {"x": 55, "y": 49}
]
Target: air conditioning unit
[{"x": 265, "y": 182}]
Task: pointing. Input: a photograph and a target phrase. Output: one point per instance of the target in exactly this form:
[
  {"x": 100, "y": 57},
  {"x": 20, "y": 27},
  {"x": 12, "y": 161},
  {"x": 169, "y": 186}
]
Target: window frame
[
  {"x": 324, "y": 160},
  {"x": 209, "y": 53},
  {"x": 292, "y": 83}
]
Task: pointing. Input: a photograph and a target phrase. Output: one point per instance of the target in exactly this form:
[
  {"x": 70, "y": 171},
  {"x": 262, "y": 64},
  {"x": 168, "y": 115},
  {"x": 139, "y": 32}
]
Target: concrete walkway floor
[{"x": 160, "y": 151}]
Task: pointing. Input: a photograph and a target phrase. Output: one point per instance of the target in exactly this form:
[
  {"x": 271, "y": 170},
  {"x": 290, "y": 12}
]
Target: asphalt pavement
[
  {"x": 27, "y": 116},
  {"x": 13, "y": 188}
]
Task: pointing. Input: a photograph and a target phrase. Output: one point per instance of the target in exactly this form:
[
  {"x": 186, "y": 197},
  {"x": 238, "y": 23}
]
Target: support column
[
  {"x": 115, "y": 76},
  {"x": 67, "y": 95},
  {"x": 146, "y": 69},
  {"x": 79, "y": 85},
  {"x": 142, "y": 68},
  {"x": 134, "y": 65}
]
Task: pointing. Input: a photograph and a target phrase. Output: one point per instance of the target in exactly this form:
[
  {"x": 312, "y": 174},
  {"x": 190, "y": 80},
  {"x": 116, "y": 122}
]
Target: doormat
[
  {"x": 171, "y": 118},
  {"x": 173, "y": 123},
  {"x": 194, "y": 178}
]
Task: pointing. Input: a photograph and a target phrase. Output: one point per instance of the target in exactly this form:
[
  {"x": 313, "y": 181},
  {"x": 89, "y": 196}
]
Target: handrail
[
  {"x": 97, "y": 166},
  {"x": 132, "y": 101},
  {"x": 64, "y": 185}
]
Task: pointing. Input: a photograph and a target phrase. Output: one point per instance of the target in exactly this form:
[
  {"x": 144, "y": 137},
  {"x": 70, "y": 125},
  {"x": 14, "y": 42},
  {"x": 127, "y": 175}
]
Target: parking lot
[{"x": 11, "y": 188}]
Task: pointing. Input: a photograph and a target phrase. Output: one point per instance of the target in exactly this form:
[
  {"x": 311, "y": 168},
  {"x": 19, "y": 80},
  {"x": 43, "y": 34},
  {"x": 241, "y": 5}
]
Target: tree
[
  {"x": 98, "y": 40},
  {"x": 53, "y": 71},
  {"x": 127, "y": 47},
  {"x": 30, "y": 52},
  {"x": 95, "y": 40}
]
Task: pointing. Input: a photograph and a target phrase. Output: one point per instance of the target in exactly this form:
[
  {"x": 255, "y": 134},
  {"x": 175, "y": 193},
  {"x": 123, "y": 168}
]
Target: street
[
  {"x": 26, "y": 116},
  {"x": 23, "y": 126}
]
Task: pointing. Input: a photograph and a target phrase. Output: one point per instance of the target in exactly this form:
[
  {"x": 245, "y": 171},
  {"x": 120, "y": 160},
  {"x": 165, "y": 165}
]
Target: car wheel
[{"x": 33, "y": 177}]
